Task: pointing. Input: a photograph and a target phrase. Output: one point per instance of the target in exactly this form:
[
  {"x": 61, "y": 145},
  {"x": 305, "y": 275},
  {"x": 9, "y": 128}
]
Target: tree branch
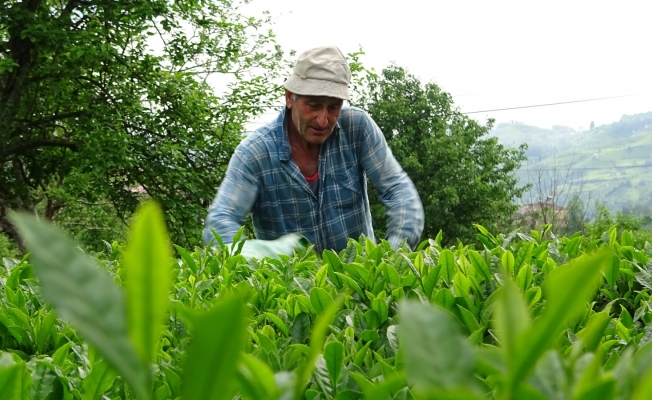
[{"x": 25, "y": 147}]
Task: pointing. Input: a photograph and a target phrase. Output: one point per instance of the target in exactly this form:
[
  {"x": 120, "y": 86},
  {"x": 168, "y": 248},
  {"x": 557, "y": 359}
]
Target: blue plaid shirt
[{"x": 263, "y": 178}]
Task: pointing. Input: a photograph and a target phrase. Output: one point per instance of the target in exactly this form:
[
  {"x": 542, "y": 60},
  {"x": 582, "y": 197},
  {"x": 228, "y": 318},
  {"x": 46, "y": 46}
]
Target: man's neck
[{"x": 298, "y": 142}]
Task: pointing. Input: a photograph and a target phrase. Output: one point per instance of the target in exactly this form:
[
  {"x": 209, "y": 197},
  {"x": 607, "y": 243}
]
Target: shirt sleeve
[
  {"x": 235, "y": 198},
  {"x": 405, "y": 216}
]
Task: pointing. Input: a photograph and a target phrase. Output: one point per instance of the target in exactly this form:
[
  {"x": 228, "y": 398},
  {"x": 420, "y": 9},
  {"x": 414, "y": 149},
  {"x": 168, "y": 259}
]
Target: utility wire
[
  {"x": 553, "y": 104},
  {"x": 586, "y": 168}
]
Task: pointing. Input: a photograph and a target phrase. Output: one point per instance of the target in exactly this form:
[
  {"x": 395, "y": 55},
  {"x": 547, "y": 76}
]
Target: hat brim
[{"x": 316, "y": 87}]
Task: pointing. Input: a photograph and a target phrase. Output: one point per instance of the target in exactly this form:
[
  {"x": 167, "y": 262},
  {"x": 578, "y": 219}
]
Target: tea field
[{"x": 525, "y": 315}]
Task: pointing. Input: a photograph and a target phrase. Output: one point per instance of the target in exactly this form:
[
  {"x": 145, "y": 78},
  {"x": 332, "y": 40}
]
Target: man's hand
[{"x": 286, "y": 245}]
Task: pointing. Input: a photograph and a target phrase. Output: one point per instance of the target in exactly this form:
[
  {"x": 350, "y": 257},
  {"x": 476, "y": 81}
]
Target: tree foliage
[
  {"x": 463, "y": 176},
  {"x": 106, "y": 102}
]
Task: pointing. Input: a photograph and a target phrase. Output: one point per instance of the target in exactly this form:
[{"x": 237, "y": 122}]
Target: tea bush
[{"x": 523, "y": 317}]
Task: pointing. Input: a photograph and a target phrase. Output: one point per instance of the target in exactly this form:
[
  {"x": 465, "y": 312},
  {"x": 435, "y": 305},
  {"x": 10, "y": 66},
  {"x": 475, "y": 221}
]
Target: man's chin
[{"x": 317, "y": 139}]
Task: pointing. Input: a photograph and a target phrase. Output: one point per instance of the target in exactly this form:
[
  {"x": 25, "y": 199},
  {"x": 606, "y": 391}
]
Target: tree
[
  {"x": 463, "y": 176},
  {"x": 106, "y": 102},
  {"x": 576, "y": 217}
]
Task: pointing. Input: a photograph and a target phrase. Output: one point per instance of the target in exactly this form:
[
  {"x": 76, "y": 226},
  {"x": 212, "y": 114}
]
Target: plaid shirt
[{"x": 263, "y": 178}]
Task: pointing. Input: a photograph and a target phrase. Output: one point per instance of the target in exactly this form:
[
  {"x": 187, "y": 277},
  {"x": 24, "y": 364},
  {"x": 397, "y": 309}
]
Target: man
[{"x": 306, "y": 172}]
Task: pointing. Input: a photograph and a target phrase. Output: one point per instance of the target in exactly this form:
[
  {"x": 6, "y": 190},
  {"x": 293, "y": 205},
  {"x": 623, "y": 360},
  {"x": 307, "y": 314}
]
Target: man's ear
[{"x": 289, "y": 101}]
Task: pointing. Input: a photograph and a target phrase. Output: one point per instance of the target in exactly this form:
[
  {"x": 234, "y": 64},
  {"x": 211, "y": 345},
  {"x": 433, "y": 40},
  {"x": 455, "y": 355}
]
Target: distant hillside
[
  {"x": 541, "y": 142},
  {"x": 610, "y": 163}
]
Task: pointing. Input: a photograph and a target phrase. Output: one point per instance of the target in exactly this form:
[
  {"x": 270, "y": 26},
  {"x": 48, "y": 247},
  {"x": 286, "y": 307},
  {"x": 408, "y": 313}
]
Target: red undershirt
[
  {"x": 312, "y": 178},
  {"x": 313, "y": 182}
]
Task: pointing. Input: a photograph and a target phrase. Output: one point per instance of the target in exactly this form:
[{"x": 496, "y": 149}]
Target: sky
[{"x": 493, "y": 55}]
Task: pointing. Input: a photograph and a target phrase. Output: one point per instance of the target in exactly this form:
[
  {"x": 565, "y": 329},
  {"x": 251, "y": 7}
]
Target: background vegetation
[{"x": 103, "y": 103}]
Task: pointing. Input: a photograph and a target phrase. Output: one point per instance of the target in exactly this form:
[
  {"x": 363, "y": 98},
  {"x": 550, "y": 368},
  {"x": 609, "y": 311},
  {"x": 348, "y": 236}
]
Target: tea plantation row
[{"x": 524, "y": 316}]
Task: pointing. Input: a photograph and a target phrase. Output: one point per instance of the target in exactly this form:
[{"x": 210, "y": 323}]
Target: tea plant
[{"x": 523, "y": 316}]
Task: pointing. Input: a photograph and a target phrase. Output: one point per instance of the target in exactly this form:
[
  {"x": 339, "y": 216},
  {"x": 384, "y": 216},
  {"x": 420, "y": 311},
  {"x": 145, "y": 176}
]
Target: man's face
[{"x": 314, "y": 116}]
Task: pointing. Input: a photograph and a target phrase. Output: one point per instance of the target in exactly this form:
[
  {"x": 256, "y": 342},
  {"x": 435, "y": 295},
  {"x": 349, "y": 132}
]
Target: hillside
[{"x": 610, "y": 163}]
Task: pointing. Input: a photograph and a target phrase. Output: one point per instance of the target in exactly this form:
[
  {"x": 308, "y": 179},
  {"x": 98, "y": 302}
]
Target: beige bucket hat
[{"x": 322, "y": 71}]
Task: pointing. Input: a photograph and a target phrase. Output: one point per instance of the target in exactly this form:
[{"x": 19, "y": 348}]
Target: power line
[
  {"x": 554, "y": 104},
  {"x": 562, "y": 169}
]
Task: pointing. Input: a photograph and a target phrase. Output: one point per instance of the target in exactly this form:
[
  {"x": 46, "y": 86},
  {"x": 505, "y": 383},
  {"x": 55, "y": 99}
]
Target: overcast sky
[{"x": 493, "y": 54}]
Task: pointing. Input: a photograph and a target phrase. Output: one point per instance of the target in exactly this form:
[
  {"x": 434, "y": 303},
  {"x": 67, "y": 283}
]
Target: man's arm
[
  {"x": 235, "y": 198},
  {"x": 395, "y": 189}
]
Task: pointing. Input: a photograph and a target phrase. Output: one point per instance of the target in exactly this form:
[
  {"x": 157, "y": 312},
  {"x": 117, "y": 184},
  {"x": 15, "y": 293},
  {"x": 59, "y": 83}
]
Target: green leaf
[
  {"x": 444, "y": 298},
  {"x": 351, "y": 283},
  {"x": 612, "y": 271},
  {"x": 317, "y": 338},
  {"x": 447, "y": 262},
  {"x": 59, "y": 356},
  {"x": 320, "y": 277},
  {"x": 84, "y": 295},
  {"x": 42, "y": 380},
  {"x": 278, "y": 322},
  {"x": 348, "y": 394},
  {"x": 567, "y": 289},
  {"x": 320, "y": 299},
  {"x": 187, "y": 258},
  {"x": 256, "y": 378},
  {"x": 431, "y": 280},
  {"x": 380, "y": 307},
  {"x": 626, "y": 239},
  {"x": 98, "y": 381},
  {"x": 605, "y": 389},
  {"x": 321, "y": 377},
  {"x": 392, "y": 338},
  {"x": 369, "y": 335},
  {"x": 364, "y": 383},
  {"x": 524, "y": 278},
  {"x": 480, "y": 264},
  {"x": 218, "y": 340},
  {"x": 508, "y": 262},
  {"x": 173, "y": 380},
  {"x": 592, "y": 333},
  {"x": 523, "y": 255},
  {"x": 435, "y": 352},
  {"x": 469, "y": 320},
  {"x": 334, "y": 356},
  {"x": 511, "y": 319},
  {"x": 15, "y": 380},
  {"x": 391, "y": 275},
  {"x": 301, "y": 328},
  {"x": 45, "y": 328},
  {"x": 373, "y": 319},
  {"x": 147, "y": 263}
]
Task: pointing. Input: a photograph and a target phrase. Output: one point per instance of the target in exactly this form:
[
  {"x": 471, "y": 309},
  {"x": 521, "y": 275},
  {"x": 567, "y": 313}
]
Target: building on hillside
[{"x": 535, "y": 215}]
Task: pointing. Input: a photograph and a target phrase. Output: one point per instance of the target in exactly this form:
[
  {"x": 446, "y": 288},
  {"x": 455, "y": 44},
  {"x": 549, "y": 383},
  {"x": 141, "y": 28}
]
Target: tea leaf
[
  {"x": 508, "y": 262},
  {"x": 218, "y": 340},
  {"x": 334, "y": 356},
  {"x": 98, "y": 381},
  {"x": 320, "y": 299},
  {"x": 187, "y": 258},
  {"x": 147, "y": 262},
  {"x": 611, "y": 271},
  {"x": 256, "y": 378},
  {"x": 317, "y": 338},
  {"x": 447, "y": 262},
  {"x": 435, "y": 352},
  {"x": 85, "y": 296},
  {"x": 567, "y": 289},
  {"x": 511, "y": 319}
]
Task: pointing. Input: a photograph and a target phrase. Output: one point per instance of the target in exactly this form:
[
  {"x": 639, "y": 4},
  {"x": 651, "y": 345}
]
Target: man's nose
[{"x": 322, "y": 118}]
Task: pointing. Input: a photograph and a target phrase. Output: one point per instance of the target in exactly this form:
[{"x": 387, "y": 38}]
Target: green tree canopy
[
  {"x": 463, "y": 176},
  {"x": 106, "y": 102}
]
